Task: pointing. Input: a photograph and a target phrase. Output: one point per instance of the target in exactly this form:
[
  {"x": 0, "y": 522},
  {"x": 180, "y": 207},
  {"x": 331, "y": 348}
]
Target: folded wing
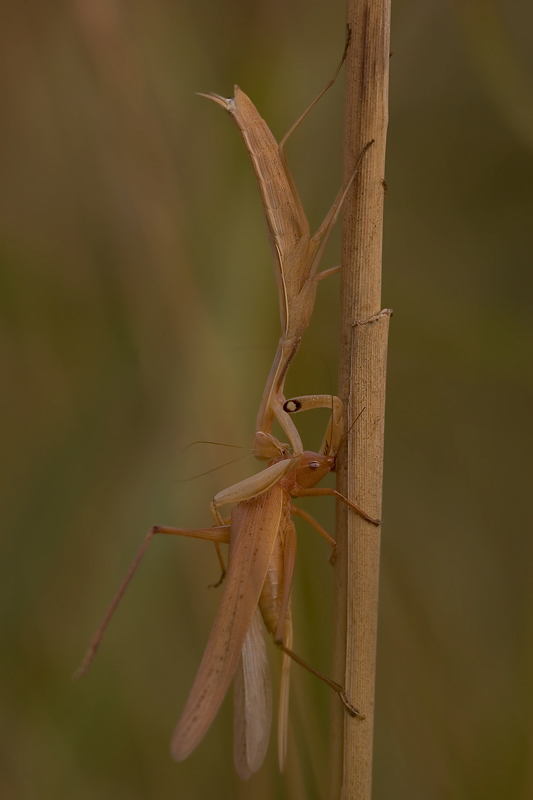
[{"x": 254, "y": 527}]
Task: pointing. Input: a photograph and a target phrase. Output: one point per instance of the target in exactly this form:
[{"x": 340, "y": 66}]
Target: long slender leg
[
  {"x": 322, "y": 492},
  {"x": 289, "y": 560},
  {"x": 213, "y": 534},
  {"x": 219, "y": 534},
  {"x": 340, "y": 690},
  {"x": 326, "y": 273},
  {"x": 281, "y": 146},
  {"x": 219, "y": 521},
  {"x": 323, "y": 233},
  {"x": 318, "y": 527},
  {"x": 223, "y": 570}
]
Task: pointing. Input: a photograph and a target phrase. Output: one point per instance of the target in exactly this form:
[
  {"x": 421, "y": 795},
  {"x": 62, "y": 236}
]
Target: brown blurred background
[{"x": 139, "y": 313}]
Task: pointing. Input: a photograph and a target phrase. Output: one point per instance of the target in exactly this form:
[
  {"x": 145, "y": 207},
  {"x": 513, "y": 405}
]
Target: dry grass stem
[{"x": 362, "y": 386}]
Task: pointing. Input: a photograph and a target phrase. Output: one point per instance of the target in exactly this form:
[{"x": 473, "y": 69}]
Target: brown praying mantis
[
  {"x": 260, "y": 533},
  {"x": 297, "y": 257},
  {"x": 296, "y": 253},
  {"x": 262, "y": 555}
]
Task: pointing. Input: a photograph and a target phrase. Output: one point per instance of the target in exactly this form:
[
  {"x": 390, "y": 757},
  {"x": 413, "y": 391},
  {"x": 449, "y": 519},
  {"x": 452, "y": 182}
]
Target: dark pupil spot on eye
[{"x": 291, "y": 406}]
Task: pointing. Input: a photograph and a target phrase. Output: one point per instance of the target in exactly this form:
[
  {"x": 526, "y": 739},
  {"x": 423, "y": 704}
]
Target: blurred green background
[{"x": 139, "y": 313}]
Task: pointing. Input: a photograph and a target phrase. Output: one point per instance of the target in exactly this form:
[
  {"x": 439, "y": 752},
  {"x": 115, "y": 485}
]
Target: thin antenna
[
  {"x": 219, "y": 444},
  {"x": 226, "y": 464},
  {"x": 345, "y": 435}
]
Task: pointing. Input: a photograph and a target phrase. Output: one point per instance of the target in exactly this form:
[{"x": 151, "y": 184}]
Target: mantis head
[{"x": 311, "y": 468}]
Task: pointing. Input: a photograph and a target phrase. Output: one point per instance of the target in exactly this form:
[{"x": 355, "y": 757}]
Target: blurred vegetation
[{"x": 138, "y": 314}]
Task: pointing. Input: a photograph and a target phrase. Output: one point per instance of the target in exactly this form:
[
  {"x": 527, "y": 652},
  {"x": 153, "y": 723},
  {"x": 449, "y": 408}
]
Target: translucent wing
[{"x": 252, "y": 702}]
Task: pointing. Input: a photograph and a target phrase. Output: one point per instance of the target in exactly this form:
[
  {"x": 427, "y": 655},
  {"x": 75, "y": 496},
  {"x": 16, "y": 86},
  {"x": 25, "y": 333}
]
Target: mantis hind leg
[
  {"x": 216, "y": 534},
  {"x": 324, "y": 492},
  {"x": 340, "y": 690},
  {"x": 300, "y": 512}
]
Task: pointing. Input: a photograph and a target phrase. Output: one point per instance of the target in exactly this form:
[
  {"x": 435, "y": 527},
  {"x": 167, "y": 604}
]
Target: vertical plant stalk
[{"x": 364, "y": 330}]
